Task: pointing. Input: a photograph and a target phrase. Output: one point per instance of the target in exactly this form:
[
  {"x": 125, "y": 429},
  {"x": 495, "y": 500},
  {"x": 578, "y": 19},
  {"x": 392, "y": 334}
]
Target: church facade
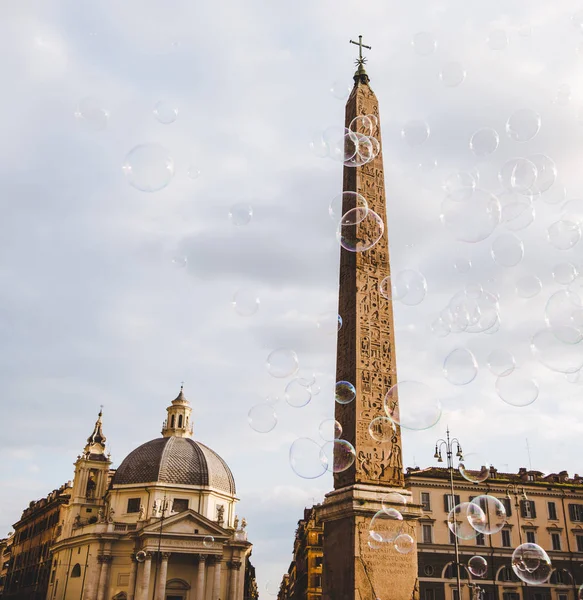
[{"x": 160, "y": 527}]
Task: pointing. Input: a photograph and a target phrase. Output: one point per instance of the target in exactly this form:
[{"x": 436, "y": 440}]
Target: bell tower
[
  {"x": 178, "y": 422},
  {"x": 356, "y": 565}
]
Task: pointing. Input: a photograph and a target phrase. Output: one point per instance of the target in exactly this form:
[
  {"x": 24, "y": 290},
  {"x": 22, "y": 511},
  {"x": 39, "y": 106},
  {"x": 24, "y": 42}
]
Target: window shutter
[
  {"x": 456, "y": 499},
  {"x": 573, "y": 512},
  {"x": 446, "y": 502},
  {"x": 523, "y": 509},
  {"x": 533, "y": 509}
]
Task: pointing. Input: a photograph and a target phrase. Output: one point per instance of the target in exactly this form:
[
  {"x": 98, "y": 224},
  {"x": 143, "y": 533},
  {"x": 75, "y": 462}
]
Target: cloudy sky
[{"x": 114, "y": 296}]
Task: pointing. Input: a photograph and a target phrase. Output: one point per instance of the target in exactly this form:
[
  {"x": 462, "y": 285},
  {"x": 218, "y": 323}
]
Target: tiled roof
[{"x": 175, "y": 460}]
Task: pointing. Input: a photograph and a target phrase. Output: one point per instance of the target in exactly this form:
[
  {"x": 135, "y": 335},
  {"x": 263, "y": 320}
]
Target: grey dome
[{"x": 175, "y": 460}]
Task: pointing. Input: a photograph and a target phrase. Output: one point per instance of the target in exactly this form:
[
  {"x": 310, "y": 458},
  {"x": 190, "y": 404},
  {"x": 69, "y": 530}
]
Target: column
[
  {"x": 217, "y": 578},
  {"x": 133, "y": 573},
  {"x": 91, "y": 579},
  {"x": 144, "y": 580},
  {"x": 234, "y": 566},
  {"x": 103, "y": 584},
  {"x": 200, "y": 577},
  {"x": 162, "y": 576}
]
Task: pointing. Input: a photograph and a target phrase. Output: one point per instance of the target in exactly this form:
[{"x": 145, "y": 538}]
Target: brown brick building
[
  {"x": 29, "y": 559},
  {"x": 303, "y": 581},
  {"x": 544, "y": 509}
]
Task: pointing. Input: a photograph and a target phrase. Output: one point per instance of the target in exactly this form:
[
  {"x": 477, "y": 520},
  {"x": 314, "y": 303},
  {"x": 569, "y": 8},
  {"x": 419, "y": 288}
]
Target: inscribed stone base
[{"x": 356, "y": 567}]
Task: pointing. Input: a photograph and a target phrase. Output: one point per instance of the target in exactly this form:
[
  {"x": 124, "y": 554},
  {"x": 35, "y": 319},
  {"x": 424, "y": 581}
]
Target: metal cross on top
[{"x": 360, "y": 45}]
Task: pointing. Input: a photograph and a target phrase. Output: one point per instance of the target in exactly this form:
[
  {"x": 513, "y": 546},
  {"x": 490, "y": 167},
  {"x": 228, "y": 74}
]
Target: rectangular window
[
  {"x": 552, "y": 511},
  {"x": 427, "y": 534},
  {"x": 510, "y": 596},
  {"x": 530, "y": 538},
  {"x": 319, "y": 560},
  {"x": 480, "y": 539},
  {"x": 563, "y": 597},
  {"x": 451, "y": 537},
  {"x": 455, "y": 595},
  {"x": 429, "y": 594},
  {"x": 579, "y": 543},
  {"x": 527, "y": 509},
  {"x": 506, "y": 538},
  {"x": 576, "y": 512},
  {"x": 317, "y": 581},
  {"x": 449, "y": 503},
  {"x": 133, "y": 505},
  {"x": 320, "y": 539},
  {"x": 426, "y": 501},
  {"x": 179, "y": 504},
  {"x": 556, "y": 540}
]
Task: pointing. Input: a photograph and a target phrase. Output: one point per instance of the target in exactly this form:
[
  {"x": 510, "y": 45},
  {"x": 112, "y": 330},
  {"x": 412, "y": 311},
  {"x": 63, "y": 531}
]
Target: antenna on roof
[{"x": 528, "y": 452}]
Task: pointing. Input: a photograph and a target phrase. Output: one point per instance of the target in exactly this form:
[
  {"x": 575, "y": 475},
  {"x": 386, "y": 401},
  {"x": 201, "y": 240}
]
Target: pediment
[{"x": 185, "y": 523}]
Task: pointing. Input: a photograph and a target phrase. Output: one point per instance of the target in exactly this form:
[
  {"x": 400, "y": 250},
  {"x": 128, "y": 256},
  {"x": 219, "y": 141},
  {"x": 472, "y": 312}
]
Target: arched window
[
  {"x": 451, "y": 572},
  {"x": 179, "y": 421},
  {"x": 76, "y": 571},
  {"x": 172, "y": 422}
]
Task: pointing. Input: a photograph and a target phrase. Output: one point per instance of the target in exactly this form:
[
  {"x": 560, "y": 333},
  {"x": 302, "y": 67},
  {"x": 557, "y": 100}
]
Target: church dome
[{"x": 175, "y": 460}]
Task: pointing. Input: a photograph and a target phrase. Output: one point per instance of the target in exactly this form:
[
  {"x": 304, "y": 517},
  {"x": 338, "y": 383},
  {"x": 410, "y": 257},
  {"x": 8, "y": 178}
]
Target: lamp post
[
  {"x": 450, "y": 444},
  {"x": 516, "y": 492}
]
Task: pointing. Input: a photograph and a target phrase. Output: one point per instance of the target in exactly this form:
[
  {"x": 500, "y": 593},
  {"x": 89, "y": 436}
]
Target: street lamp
[
  {"x": 516, "y": 492},
  {"x": 450, "y": 445}
]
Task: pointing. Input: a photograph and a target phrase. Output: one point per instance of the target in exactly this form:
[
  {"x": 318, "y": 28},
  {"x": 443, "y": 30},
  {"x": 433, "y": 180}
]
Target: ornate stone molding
[
  {"x": 104, "y": 558},
  {"x": 201, "y": 557},
  {"x": 234, "y": 565},
  {"x": 165, "y": 555}
]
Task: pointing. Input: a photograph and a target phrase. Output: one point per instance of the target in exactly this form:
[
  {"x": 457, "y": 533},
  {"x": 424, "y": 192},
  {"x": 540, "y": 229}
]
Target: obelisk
[{"x": 356, "y": 566}]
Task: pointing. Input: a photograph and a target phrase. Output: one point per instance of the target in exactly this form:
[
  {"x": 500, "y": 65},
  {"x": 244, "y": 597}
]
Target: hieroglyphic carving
[{"x": 366, "y": 345}]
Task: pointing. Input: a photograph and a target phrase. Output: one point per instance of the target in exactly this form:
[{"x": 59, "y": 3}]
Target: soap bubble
[
  {"x": 385, "y": 288},
  {"x": 478, "y": 566},
  {"x": 472, "y": 218},
  {"x": 362, "y": 124},
  {"x": 452, "y": 74},
  {"x": 546, "y": 172},
  {"x": 555, "y": 195},
  {"x": 460, "y": 367},
  {"x": 563, "y": 95},
  {"x": 531, "y": 564},
  {"x": 382, "y": 429},
  {"x": 305, "y": 458},
  {"x": 245, "y": 302},
  {"x": 523, "y": 125},
  {"x": 519, "y": 175},
  {"x": 494, "y": 513},
  {"x": 528, "y": 286},
  {"x": 262, "y": 417},
  {"x": 359, "y": 230},
  {"x": 193, "y": 172},
  {"x": 412, "y": 405},
  {"x": 318, "y": 147},
  {"x": 458, "y": 520},
  {"x": 475, "y": 469},
  {"x": 329, "y": 323},
  {"x": 342, "y": 143},
  {"x": 501, "y": 362},
  {"x": 91, "y": 114},
  {"x": 180, "y": 261},
  {"x": 549, "y": 348},
  {"x": 460, "y": 185},
  {"x": 344, "y": 202},
  {"x": 240, "y": 214},
  {"x": 148, "y": 167},
  {"x": 340, "y": 90},
  {"x": 484, "y": 142},
  {"x": 415, "y": 133},
  {"x": 462, "y": 264},
  {"x": 563, "y": 235},
  {"x": 410, "y": 287},
  {"x": 517, "y": 388},
  {"x": 338, "y": 455},
  {"x": 282, "y": 363},
  {"x": 208, "y": 541},
  {"x": 424, "y": 43},
  {"x": 404, "y": 543},
  {"x": 507, "y": 250},
  {"x": 345, "y": 392},
  {"x": 165, "y": 112},
  {"x": 272, "y": 588},
  {"x": 386, "y": 526},
  {"x": 330, "y": 430},
  {"x": 564, "y": 314},
  {"x": 298, "y": 393},
  {"x": 497, "y": 39},
  {"x": 393, "y": 499},
  {"x": 564, "y": 273}
]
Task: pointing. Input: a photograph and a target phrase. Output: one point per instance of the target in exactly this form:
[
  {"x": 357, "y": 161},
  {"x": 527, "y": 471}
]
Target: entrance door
[{"x": 168, "y": 597}]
